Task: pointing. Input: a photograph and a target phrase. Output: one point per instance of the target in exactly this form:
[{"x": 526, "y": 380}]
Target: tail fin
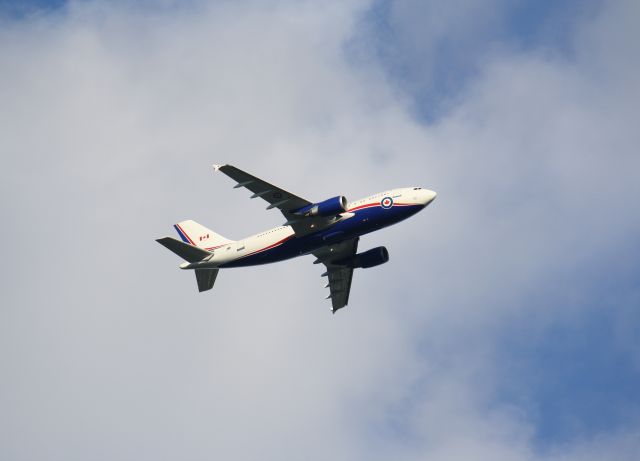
[{"x": 196, "y": 234}]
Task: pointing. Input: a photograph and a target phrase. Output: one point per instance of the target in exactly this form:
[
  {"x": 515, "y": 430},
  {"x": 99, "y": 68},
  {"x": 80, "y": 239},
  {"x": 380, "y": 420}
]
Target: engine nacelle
[
  {"x": 329, "y": 207},
  {"x": 371, "y": 258}
]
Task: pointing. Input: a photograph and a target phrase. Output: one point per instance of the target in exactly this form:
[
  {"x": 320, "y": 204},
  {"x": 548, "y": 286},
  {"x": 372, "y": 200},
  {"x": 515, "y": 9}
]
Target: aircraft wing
[
  {"x": 339, "y": 275},
  {"x": 277, "y": 197}
]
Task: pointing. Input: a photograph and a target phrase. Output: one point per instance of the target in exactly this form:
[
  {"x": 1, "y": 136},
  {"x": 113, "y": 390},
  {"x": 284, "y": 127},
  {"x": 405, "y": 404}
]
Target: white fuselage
[{"x": 369, "y": 214}]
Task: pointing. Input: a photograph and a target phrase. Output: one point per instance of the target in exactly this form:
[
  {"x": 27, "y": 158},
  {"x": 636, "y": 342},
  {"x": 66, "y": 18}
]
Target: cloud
[{"x": 111, "y": 118}]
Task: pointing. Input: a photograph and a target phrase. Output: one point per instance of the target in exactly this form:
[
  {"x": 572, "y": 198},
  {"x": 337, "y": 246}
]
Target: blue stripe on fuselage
[{"x": 366, "y": 220}]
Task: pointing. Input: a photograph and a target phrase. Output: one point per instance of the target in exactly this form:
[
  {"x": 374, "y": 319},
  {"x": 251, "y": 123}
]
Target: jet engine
[
  {"x": 329, "y": 207},
  {"x": 371, "y": 258}
]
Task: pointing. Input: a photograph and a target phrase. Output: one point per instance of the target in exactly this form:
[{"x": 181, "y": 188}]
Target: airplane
[{"x": 329, "y": 230}]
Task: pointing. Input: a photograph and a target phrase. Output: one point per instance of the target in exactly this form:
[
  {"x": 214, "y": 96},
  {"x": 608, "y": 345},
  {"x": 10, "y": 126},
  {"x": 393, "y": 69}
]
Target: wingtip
[{"x": 217, "y": 167}]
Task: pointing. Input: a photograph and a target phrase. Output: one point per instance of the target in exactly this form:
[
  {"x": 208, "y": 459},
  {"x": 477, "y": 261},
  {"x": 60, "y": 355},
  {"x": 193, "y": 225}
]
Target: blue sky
[
  {"x": 504, "y": 327},
  {"x": 456, "y": 57},
  {"x": 18, "y": 10}
]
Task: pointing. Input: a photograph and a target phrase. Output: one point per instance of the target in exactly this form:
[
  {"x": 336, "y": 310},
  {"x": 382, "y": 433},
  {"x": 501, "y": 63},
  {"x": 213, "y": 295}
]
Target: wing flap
[
  {"x": 276, "y": 197},
  {"x": 340, "y": 286},
  {"x": 340, "y": 276},
  {"x": 279, "y": 198}
]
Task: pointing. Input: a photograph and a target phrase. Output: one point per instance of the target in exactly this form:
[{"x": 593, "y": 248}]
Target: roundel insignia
[{"x": 386, "y": 203}]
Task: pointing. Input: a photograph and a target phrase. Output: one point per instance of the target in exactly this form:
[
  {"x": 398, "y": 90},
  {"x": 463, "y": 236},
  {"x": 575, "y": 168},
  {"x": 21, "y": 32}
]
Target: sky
[{"x": 505, "y": 325}]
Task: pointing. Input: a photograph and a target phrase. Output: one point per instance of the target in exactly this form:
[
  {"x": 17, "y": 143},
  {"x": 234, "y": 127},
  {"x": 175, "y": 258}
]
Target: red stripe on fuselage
[
  {"x": 213, "y": 248},
  {"x": 280, "y": 242},
  {"x": 368, "y": 205},
  {"x": 371, "y": 205}
]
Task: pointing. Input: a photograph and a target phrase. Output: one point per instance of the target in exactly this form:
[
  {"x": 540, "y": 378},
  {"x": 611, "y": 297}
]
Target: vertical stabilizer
[{"x": 196, "y": 234}]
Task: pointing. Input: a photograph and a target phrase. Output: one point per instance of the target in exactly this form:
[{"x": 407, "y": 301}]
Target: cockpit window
[{"x": 417, "y": 188}]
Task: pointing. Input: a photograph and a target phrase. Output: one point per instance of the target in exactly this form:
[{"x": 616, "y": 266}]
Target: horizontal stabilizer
[
  {"x": 187, "y": 252},
  {"x": 206, "y": 278}
]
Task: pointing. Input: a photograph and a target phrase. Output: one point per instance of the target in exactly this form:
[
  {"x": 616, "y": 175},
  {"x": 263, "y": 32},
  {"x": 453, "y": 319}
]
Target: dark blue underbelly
[{"x": 366, "y": 220}]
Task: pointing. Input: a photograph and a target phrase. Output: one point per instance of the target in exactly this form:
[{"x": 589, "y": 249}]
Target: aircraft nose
[{"x": 428, "y": 196}]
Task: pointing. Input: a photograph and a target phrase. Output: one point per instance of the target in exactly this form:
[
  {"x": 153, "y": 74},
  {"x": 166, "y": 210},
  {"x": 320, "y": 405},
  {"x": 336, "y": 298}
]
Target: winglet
[{"x": 217, "y": 167}]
